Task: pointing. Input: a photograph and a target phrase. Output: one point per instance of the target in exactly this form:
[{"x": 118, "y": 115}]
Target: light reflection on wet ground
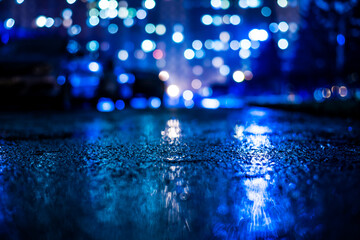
[{"x": 249, "y": 174}]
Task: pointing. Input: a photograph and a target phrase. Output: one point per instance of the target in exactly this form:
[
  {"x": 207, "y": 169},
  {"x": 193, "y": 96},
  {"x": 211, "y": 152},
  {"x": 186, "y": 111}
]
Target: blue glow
[
  {"x": 340, "y": 39},
  {"x": 150, "y": 28},
  {"x": 105, "y": 105},
  {"x": 273, "y": 27},
  {"x": 217, "y": 20},
  {"x": 126, "y": 78},
  {"x": 210, "y": 103},
  {"x": 155, "y": 102},
  {"x": 266, "y": 12},
  {"x": 61, "y": 80},
  {"x": 126, "y": 91},
  {"x": 283, "y": 26},
  {"x": 78, "y": 80},
  {"x": 113, "y": 28},
  {"x": 93, "y": 21},
  {"x": 257, "y": 113},
  {"x": 5, "y": 38},
  {"x": 123, "y": 78},
  {"x": 72, "y": 31},
  {"x": 178, "y": 27},
  {"x": 120, "y": 104},
  {"x": 73, "y": 46},
  {"x": 129, "y": 22},
  {"x": 139, "y": 103},
  {"x": 92, "y": 46}
]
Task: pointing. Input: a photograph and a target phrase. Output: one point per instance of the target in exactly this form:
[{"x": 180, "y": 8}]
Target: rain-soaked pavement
[{"x": 244, "y": 174}]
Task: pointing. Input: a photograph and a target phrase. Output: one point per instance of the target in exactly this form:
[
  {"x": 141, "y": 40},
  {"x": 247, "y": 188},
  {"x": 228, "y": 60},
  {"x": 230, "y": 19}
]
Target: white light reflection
[
  {"x": 256, "y": 209},
  {"x": 172, "y": 131}
]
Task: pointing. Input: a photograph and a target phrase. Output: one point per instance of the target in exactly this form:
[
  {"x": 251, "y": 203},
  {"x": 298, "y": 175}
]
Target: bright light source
[
  {"x": 188, "y": 95},
  {"x": 154, "y": 102},
  {"x": 234, "y": 45},
  {"x": 245, "y": 44},
  {"x": 210, "y": 103},
  {"x": 105, "y": 105},
  {"x": 128, "y": 22},
  {"x": 164, "y": 76},
  {"x": 224, "y": 36},
  {"x": 123, "y": 55},
  {"x": 207, "y": 19},
  {"x": 217, "y": 62},
  {"x": 9, "y": 23},
  {"x": 343, "y": 92},
  {"x": 258, "y": 35},
  {"x": 235, "y": 20},
  {"x": 244, "y": 53},
  {"x": 93, "y": 21},
  {"x": 283, "y": 44},
  {"x": 76, "y": 29},
  {"x": 123, "y": 78},
  {"x": 94, "y": 67},
  {"x": 178, "y": 37},
  {"x": 150, "y": 28},
  {"x": 104, "y": 4},
  {"x": 67, "y": 13},
  {"x": 189, "y": 54},
  {"x": 160, "y": 29},
  {"x": 196, "y": 84},
  {"x": 197, "y": 44},
  {"x": 282, "y": 3},
  {"x": 216, "y": 4},
  {"x": 173, "y": 91},
  {"x": 238, "y": 76},
  {"x": 224, "y": 70},
  {"x": 148, "y": 45},
  {"x": 141, "y": 14},
  {"x": 40, "y": 21},
  {"x": 283, "y": 26},
  {"x": 92, "y": 46},
  {"x": 149, "y": 4}
]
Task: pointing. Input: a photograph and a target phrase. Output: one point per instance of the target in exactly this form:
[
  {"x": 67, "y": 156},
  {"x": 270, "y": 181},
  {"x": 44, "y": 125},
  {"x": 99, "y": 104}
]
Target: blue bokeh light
[{"x": 105, "y": 105}]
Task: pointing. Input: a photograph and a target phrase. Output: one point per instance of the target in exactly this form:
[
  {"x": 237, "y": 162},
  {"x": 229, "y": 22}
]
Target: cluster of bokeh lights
[{"x": 156, "y": 42}]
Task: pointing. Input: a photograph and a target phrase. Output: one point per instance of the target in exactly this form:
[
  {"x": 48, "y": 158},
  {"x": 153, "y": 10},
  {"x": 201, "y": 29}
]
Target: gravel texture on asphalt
[{"x": 253, "y": 173}]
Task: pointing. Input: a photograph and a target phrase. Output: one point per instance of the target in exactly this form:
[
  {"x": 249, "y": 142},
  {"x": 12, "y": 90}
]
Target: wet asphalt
[{"x": 253, "y": 173}]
